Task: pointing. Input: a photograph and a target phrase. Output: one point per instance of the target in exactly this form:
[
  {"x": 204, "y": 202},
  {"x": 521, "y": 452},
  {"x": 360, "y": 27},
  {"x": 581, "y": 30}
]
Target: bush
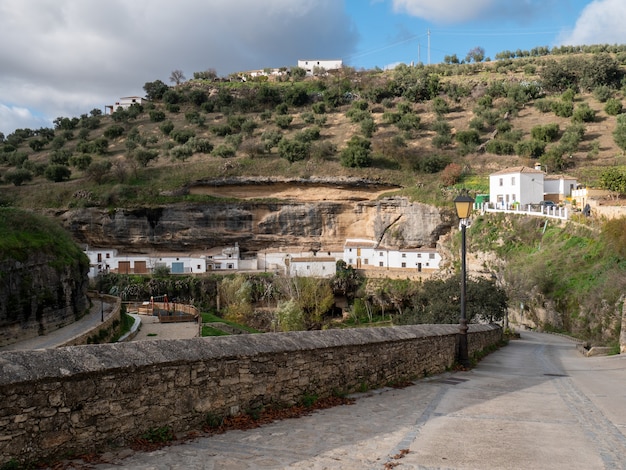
[
  {"x": 357, "y": 154},
  {"x": 157, "y": 115},
  {"x": 431, "y": 164},
  {"x": 613, "y": 107},
  {"x": 500, "y": 147},
  {"x": 145, "y": 156},
  {"x": 200, "y": 145},
  {"x": 602, "y": 93},
  {"x": 583, "y": 113},
  {"x": 544, "y": 105},
  {"x": 182, "y": 152},
  {"x": 293, "y": 150},
  {"x": 283, "y": 121},
  {"x": 18, "y": 176},
  {"x": 563, "y": 108},
  {"x": 57, "y": 173},
  {"x": 530, "y": 148},
  {"x": 167, "y": 127},
  {"x": 224, "y": 151},
  {"x": 470, "y": 137},
  {"x": 182, "y": 135},
  {"x": 114, "y": 131},
  {"x": 547, "y": 133}
]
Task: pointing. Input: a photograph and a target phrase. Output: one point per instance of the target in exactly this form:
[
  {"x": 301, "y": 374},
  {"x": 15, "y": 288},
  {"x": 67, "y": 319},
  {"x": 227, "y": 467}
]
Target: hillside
[{"x": 422, "y": 129}]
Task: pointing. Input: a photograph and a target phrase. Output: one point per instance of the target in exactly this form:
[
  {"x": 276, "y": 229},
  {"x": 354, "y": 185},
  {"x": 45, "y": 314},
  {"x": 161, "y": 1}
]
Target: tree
[
  {"x": 208, "y": 74},
  {"x": 357, "y": 154},
  {"x": 477, "y": 54},
  {"x": 57, "y": 173},
  {"x": 18, "y": 176},
  {"x": 293, "y": 150},
  {"x": 613, "y": 179},
  {"x": 619, "y": 135},
  {"x": 155, "y": 90},
  {"x": 177, "y": 77},
  {"x": 97, "y": 171}
]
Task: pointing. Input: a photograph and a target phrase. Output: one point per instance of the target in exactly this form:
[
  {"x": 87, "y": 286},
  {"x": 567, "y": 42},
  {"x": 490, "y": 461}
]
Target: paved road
[
  {"x": 536, "y": 404},
  {"x": 61, "y": 336}
]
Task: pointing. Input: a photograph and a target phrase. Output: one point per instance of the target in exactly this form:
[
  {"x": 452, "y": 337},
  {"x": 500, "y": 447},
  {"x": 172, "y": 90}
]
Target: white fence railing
[{"x": 555, "y": 212}]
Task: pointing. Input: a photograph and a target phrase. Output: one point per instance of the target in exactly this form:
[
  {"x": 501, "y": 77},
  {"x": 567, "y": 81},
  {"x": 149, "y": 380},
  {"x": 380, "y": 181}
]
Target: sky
[{"x": 63, "y": 58}]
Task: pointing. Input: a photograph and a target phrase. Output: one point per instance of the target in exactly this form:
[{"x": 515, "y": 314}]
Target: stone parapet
[{"x": 79, "y": 399}]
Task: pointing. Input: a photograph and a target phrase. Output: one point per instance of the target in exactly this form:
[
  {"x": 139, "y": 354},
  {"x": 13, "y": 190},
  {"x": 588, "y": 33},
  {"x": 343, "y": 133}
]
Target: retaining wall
[{"x": 79, "y": 399}]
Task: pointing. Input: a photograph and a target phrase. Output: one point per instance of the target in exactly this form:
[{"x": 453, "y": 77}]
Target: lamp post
[
  {"x": 463, "y": 204},
  {"x": 101, "y": 309}
]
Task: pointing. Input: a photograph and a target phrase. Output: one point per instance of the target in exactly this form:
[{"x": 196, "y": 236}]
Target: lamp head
[{"x": 463, "y": 205}]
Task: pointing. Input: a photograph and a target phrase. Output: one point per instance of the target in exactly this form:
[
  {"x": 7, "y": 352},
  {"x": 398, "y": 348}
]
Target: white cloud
[
  {"x": 460, "y": 11},
  {"x": 65, "y": 57},
  {"x": 601, "y": 22},
  {"x": 443, "y": 11}
]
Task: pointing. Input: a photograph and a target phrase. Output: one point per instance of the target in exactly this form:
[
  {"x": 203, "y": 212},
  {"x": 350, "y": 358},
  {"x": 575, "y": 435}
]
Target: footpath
[
  {"x": 56, "y": 338},
  {"x": 534, "y": 404}
]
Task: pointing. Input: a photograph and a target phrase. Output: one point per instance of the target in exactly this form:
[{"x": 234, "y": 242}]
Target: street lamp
[{"x": 463, "y": 204}]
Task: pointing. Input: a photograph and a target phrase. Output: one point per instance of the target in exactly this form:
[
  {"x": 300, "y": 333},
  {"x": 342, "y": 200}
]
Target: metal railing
[{"x": 536, "y": 210}]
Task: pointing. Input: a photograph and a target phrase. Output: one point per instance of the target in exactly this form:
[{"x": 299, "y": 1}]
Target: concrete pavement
[
  {"x": 61, "y": 336},
  {"x": 535, "y": 404}
]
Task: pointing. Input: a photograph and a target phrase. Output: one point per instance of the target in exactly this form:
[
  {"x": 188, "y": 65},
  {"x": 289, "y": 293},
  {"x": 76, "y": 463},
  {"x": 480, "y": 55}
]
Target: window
[
  {"x": 404, "y": 255},
  {"x": 308, "y": 267},
  {"x": 404, "y": 265},
  {"x": 419, "y": 255},
  {"x": 350, "y": 261},
  {"x": 512, "y": 180},
  {"x": 198, "y": 267},
  {"x": 431, "y": 256},
  {"x": 349, "y": 250},
  {"x": 108, "y": 255},
  {"x": 381, "y": 264},
  {"x": 99, "y": 257},
  {"x": 501, "y": 181},
  {"x": 230, "y": 266},
  {"x": 380, "y": 253},
  {"x": 366, "y": 261}
]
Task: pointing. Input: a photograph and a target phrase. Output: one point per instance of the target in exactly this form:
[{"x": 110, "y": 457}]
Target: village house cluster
[{"x": 365, "y": 255}]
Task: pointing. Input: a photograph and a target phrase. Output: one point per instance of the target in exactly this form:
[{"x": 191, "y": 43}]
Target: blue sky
[{"x": 67, "y": 57}]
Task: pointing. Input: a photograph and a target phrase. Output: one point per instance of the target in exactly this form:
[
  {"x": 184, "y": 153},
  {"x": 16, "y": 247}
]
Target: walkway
[
  {"x": 61, "y": 336},
  {"x": 535, "y": 404}
]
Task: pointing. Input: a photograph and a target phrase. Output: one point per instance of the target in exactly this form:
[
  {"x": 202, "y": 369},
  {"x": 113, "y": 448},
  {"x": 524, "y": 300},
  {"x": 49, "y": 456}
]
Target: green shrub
[
  {"x": 283, "y": 121},
  {"x": 583, "y": 113},
  {"x": 167, "y": 127},
  {"x": 157, "y": 115},
  {"x": 547, "y": 133},
  {"x": 613, "y": 107},
  {"x": 530, "y": 148},
  {"x": 357, "y": 154},
  {"x": 470, "y": 137},
  {"x": 293, "y": 150},
  {"x": 563, "y": 108},
  {"x": 57, "y": 173},
  {"x": 500, "y": 147},
  {"x": 602, "y": 93},
  {"x": 224, "y": 151},
  {"x": 544, "y": 105}
]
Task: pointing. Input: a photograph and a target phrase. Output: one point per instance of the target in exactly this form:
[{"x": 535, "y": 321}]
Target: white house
[
  {"x": 520, "y": 184},
  {"x": 223, "y": 258},
  {"x": 125, "y": 102},
  {"x": 312, "y": 266},
  {"x": 367, "y": 254},
  {"x": 311, "y": 66},
  {"x": 109, "y": 260},
  {"x": 526, "y": 185},
  {"x": 557, "y": 188}
]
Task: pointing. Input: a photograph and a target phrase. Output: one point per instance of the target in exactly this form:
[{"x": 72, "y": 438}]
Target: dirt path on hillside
[{"x": 294, "y": 191}]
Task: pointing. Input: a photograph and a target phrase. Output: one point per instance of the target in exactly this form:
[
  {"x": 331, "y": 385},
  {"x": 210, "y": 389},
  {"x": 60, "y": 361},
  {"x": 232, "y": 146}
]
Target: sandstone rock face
[
  {"x": 38, "y": 296},
  {"x": 394, "y": 222}
]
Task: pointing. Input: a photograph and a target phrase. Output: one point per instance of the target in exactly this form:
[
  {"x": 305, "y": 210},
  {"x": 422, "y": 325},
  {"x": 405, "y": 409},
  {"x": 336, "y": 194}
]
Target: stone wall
[{"x": 79, "y": 399}]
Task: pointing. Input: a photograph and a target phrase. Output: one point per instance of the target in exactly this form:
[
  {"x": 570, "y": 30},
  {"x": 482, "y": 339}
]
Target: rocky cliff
[
  {"x": 256, "y": 225},
  {"x": 43, "y": 277}
]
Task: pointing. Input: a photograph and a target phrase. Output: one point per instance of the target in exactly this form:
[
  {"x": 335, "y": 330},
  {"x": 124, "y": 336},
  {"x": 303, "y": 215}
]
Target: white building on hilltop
[{"x": 314, "y": 66}]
